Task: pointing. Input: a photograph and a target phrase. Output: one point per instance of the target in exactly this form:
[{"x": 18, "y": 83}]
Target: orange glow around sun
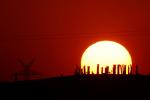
[{"x": 106, "y": 54}]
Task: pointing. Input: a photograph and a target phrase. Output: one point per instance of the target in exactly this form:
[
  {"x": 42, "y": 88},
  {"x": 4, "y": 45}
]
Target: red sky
[{"x": 57, "y": 32}]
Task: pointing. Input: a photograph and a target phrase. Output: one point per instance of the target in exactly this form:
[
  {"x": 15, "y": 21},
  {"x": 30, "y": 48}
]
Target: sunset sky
[{"x": 57, "y": 32}]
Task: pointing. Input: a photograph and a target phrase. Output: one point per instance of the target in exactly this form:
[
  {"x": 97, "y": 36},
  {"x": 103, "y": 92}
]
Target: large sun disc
[{"x": 105, "y": 53}]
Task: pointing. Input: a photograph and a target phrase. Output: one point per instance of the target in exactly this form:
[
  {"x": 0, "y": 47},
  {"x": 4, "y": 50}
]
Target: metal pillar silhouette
[
  {"x": 77, "y": 70},
  {"x": 106, "y": 69},
  {"x": 118, "y": 69},
  {"x": 121, "y": 69},
  {"x": 101, "y": 70},
  {"x": 114, "y": 69},
  {"x": 128, "y": 69},
  {"x": 88, "y": 71},
  {"x": 124, "y": 69},
  {"x": 97, "y": 68},
  {"x": 84, "y": 70}
]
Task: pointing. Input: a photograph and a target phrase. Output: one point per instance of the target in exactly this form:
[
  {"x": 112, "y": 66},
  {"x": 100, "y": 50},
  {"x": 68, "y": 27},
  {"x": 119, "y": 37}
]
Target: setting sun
[{"x": 106, "y": 54}]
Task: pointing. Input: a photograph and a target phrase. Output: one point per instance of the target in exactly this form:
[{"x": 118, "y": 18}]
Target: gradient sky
[{"x": 57, "y": 32}]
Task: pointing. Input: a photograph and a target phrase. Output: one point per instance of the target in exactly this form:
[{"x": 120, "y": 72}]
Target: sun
[{"x": 106, "y": 56}]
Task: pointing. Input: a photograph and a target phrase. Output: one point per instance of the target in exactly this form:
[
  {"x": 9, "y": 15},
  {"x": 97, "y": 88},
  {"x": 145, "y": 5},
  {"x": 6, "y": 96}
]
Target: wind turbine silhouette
[{"x": 27, "y": 72}]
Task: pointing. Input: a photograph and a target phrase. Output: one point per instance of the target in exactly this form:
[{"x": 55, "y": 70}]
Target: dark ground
[{"x": 91, "y": 87}]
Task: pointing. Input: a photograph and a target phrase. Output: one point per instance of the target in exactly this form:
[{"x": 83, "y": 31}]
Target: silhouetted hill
[{"x": 80, "y": 87}]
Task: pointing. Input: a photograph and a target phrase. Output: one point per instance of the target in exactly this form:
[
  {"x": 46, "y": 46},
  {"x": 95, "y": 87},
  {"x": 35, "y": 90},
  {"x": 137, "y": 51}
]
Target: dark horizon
[{"x": 75, "y": 87}]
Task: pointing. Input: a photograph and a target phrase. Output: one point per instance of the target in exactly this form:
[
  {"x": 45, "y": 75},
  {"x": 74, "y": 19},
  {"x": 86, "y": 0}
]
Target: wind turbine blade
[{"x": 31, "y": 62}]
